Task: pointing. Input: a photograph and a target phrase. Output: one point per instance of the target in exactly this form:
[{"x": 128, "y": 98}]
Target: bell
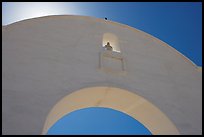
[{"x": 108, "y": 46}]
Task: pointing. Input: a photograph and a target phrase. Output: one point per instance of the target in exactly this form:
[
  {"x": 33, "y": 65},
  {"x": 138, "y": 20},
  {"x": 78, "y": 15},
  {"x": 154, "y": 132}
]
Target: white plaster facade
[{"x": 47, "y": 58}]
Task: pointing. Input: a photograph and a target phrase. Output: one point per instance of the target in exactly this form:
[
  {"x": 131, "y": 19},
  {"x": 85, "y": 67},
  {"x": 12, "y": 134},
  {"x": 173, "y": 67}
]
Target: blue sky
[
  {"x": 179, "y": 24},
  {"x": 98, "y": 120}
]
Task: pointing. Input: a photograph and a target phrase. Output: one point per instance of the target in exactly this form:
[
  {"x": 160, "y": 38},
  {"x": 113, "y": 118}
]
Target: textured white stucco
[{"x": 47, "y": 58}]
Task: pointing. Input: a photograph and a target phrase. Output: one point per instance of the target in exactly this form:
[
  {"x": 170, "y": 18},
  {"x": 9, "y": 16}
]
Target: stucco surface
[
  {"x": 118, "y": 99},
  {"x": 47, "y": 58}
]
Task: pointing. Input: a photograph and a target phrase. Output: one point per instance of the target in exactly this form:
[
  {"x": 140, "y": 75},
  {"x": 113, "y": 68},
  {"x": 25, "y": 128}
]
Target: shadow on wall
[{"x": 113, "y": 98}]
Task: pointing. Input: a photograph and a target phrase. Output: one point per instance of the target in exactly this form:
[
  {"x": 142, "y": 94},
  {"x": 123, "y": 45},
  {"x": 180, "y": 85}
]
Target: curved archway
[{"x": 115, "y": 98}]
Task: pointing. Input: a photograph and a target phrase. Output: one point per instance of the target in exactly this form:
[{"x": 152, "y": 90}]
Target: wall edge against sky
[{"x": 111, "y": 22}]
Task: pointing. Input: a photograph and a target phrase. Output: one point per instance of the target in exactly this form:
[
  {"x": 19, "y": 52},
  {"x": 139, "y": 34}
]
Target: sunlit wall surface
[
  {"x": 178, "y": 24},
  {"x": 45, "y": 59}
]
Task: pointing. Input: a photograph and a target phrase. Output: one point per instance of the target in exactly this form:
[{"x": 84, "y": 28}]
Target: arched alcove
[
  {"x": 113, "y": 40},
  {"x": 115, "y": 98}
]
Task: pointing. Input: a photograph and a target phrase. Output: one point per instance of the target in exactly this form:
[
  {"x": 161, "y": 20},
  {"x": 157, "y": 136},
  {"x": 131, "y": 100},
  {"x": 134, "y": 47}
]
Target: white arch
[{"x": 119, "y": 99}]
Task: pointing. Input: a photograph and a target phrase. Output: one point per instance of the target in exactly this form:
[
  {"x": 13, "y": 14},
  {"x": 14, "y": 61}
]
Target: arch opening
[
  {"x": 98, "y": 121},
  {"x": 114, "y": 98}
]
